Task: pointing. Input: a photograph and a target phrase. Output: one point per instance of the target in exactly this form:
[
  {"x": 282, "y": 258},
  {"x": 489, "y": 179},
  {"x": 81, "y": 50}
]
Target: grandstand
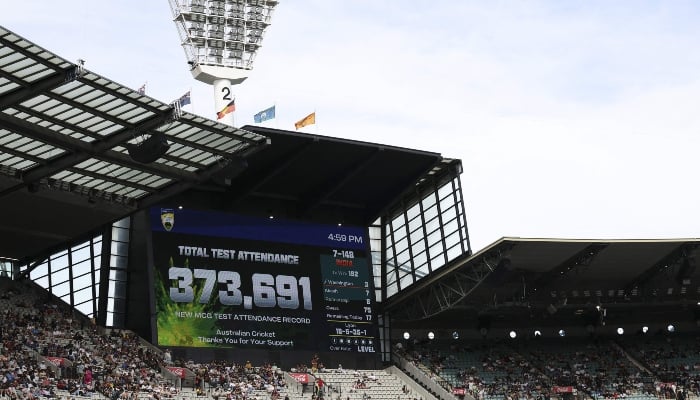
[{"x": 261, "y": 263}]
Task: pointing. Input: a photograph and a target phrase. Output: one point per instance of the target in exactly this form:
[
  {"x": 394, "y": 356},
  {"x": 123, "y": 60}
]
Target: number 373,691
[{"x": 268, "y": 290}]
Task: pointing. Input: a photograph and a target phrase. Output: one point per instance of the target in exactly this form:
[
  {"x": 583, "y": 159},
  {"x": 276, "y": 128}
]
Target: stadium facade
[{"x": 257, "y": 228}]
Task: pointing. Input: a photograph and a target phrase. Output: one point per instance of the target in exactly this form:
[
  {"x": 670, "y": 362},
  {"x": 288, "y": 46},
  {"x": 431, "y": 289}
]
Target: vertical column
[{"x": 224, "y": 102}]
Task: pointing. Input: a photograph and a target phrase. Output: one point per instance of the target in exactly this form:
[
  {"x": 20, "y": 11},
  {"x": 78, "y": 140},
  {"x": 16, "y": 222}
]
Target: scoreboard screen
[{"x": 234, "y": 281}]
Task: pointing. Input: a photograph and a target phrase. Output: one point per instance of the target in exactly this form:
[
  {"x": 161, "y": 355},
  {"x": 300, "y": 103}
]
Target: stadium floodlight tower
[{"x": 221, "y": 39}]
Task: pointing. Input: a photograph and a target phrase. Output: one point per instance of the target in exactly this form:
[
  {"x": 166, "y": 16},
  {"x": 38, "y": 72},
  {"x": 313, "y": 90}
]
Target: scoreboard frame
[{"x": 228, "y": 281}]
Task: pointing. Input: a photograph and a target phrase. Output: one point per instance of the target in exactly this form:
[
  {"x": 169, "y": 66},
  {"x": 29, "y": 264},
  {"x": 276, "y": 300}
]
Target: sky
[{"x": 572, "y": 119}]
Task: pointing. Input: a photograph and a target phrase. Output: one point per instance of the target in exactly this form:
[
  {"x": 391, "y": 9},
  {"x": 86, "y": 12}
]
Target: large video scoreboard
[{"x": 225, "y": 280}]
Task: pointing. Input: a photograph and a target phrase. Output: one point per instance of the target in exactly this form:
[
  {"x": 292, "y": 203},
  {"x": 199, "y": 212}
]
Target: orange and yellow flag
[{"x": 308, "y": 120}]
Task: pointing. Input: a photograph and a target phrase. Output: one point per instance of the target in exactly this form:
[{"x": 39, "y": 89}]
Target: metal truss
[{"x": 449, "y": 289}]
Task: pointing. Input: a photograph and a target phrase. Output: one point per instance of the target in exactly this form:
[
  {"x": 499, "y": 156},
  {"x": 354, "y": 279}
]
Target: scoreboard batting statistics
[{"x": 225, "y": 280}]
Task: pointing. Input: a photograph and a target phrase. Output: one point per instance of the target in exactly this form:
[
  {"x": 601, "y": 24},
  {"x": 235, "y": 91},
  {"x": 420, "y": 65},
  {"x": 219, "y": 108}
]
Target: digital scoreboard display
[{"x": 225, "y": 280}]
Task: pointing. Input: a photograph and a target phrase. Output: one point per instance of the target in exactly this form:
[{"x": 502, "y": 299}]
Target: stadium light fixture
[
  {"x": 620, "y": 331},
  {"x": 562, "y": 332},
  {"x": 221, "y": 39},
  {"x": 431, "y": 335},
  {"x": 537, "y": 333},
  {"x": 645, "y": 329},
  {"x": 406, "y": 335},
  {"x": 455, "y": 335},
  {"x": 512, "y": 334},
  {"x": 670, "y": 328}
]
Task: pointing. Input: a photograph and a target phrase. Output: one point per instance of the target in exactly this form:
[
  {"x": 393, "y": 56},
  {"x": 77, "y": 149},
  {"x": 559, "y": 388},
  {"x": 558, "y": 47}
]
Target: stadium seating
[{"x": 48, "y": 351}]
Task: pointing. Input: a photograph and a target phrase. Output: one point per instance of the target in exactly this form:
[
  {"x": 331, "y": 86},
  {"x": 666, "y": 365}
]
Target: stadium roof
[
  {"x": 65, "y": 138},
  {"x": 66, "y": 169},
  {"x": 526, "y": 280},
  {"x": 325, "y": 179}
]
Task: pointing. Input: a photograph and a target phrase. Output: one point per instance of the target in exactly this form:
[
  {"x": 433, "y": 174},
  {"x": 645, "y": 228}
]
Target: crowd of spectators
[
  {"x": 48, "y": 352},
  {"x": 656, "y": 367}
]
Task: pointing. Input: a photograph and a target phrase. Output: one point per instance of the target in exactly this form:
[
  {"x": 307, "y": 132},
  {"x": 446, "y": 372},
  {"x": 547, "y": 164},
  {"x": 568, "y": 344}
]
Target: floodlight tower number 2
[{"x": 221, "y": 39}]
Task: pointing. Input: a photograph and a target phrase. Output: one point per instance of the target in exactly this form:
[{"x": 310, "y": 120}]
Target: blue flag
[
  {"x": 184, "y": 99},
  {"x": 264, "y": 115}
]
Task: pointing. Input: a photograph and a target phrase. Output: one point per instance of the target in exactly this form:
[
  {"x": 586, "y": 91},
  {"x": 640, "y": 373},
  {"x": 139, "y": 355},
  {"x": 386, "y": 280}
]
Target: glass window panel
[
  {"x": 60, "y": 276},
  {"x": 120, "y": 248},
  {"x": 435, "y": 249},
  {"x": 420, "y": 260},
  {"x": 400, "y": 233},
  {"x": 458, "y": 195},
  {"x": 418, "y": 246},
  {"x": 429, "y": 201},
  {"x": 403, "y": 258},
  {"x": 391, "y": 277},
  {"x": 111, "y": 288},
  {"x": 61, "y": 290},
  {"x": 413, "y": 212},
  {"x": 39, "y": 271},
  {"x": 378, "y": 296},
  {"x": 82, "y": 295},
  {"x": 451, "y": 227},
  {"x": 375, "y": 232},
  {"x": 392, "y": 290},
  {"x": 437, "y": 262},
  {"x": 432, "y": 223},
  {"x": 406, "y": 281},
  {"x": 83, "y": 267},
  {"x": 375, "y": 245},
  {"x": 445, "y": 190},
  {"x": 401, "y": 245},
  {"x": 390, "y": 253},
  {"x": 110, "y": 319},
  {"x": 434, "y": 237},
  {"x": 398, "y": 221},
  {"x": 417, "y": 235},
  {"x": 86, "y": 308},
  {"x": 82, "y": 281},
  {"x": 119, "y": 262},
  {"x": 66, "y": 299},
  {"x": 97, "y": 247},
  {"x": 464, "y": 231},
  {"x": 59, "y": 262},
  {"x": 447, "y": 203},
  {"x": 43, "y": 282},
  {"x": 118, "y": 275},
  {"x": 454, "y": 252},
  {"x": 120, "y": 234},
  {"x": 415, "y": 224},
  {"x": 110, "y": 305},
  {"x": 423, "y": 270},
  {"x": 452, "y": 240},
  {"x": 80, "y": 254},
  {"x": 376, "y": 259},
  {"x": 449, "y": 215}
]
